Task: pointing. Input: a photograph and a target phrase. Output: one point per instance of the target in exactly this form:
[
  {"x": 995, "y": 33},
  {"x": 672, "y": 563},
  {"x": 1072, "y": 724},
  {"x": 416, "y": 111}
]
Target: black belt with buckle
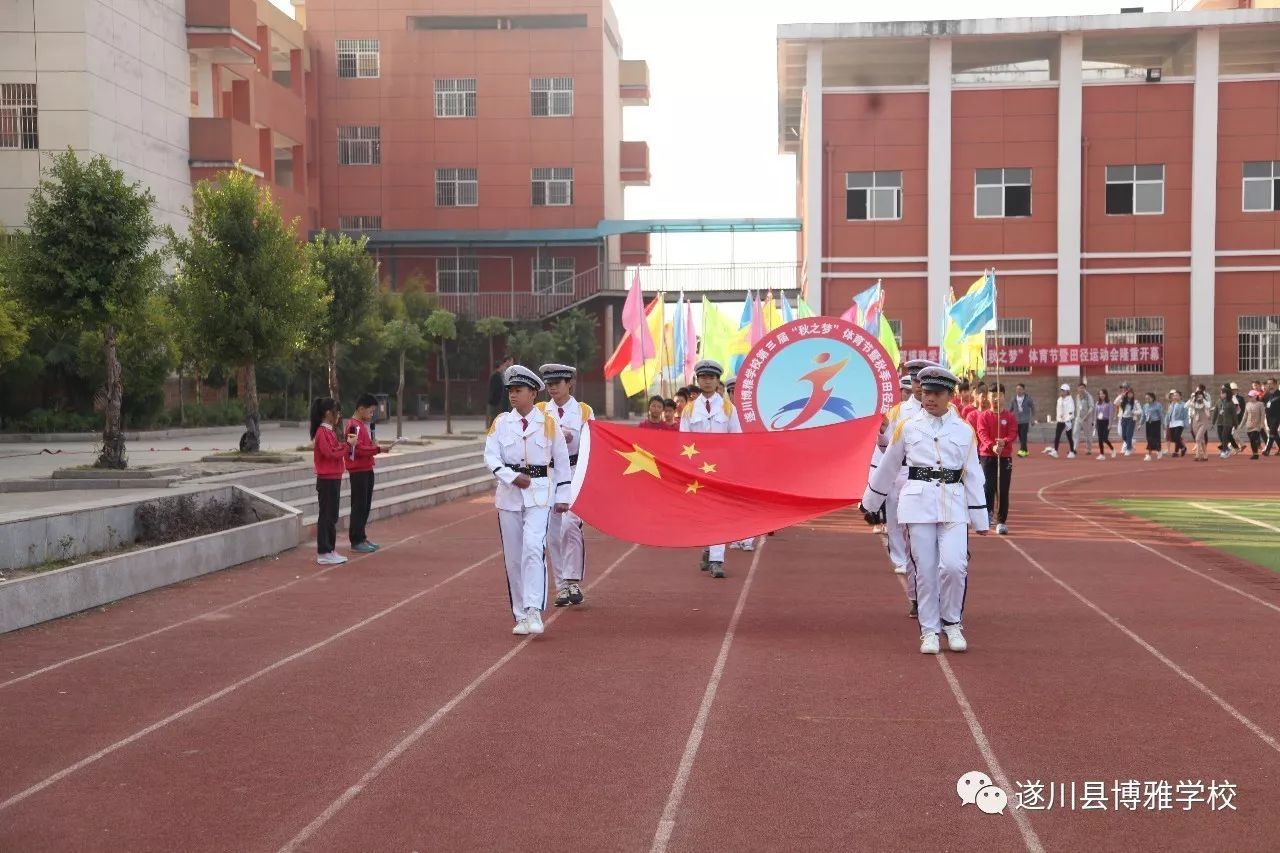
[
  {"x": 942, "y": 475},
  {"x": 534, "y": 471}
]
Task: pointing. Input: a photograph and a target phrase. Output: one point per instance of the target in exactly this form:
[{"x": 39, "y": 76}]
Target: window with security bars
[
  {"x": 895, "y": 326},
  {"x": 551, "y": 96},
  {"x": 359, "y": 223},
  {"x": 1135, "y": 330},
  {"x": 1135, "y": 190},
  {"x": 458, "y": 275},
  {"x": 456, "y": 98},
  {"x": 19, "y": 121},
  {"x": 358, "y": 58},
  {"x": 553, "y": 275},
  {"x": 553, "y": 187},
  {"x": 873, "y": 195},
  {"x": 1261, "y": 189},
  {"x": 457, "y": 188},
  {"x": 359, "y": 146},
  {"x": 1259, "y": 342},
  {"x": 1001, "y": 193},
  {"x": 1013, "y": 332}
]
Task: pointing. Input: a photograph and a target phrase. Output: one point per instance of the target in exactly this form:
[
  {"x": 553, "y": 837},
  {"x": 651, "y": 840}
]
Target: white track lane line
[
  {"x": 231, "y": 688},
  {"x": 667, "y": 823},
  {"x": 216, "y": 610},
  {"x": 414, "y": 736}
]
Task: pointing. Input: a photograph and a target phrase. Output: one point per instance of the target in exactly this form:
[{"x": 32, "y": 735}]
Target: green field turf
[{"x": 1256, "y": 542}]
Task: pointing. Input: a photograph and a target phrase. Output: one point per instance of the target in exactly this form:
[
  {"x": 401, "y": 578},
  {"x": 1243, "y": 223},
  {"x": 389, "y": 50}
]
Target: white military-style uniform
[
  {"x": 713, "y": 414},
  {"x": 518, "y": 444},
  {"x": 895, "y": 532},
  {"x": 936, "y": 510},
  {"x": 565, "y": 543}
]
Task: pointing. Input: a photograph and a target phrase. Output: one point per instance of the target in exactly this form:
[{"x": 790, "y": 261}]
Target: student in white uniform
[
  {"x": 943, "y": 495},
  {"x": 709, "y": 412},
  {"x": 524, "y": 448},
  {"x": 565, "y": 544},
  {"x": 730, "y": 386}
]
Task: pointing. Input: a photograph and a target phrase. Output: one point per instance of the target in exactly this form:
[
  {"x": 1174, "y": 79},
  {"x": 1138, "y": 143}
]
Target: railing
[
  {"x": 703, "y": 278},
  {"x": 523, "y": 305}
]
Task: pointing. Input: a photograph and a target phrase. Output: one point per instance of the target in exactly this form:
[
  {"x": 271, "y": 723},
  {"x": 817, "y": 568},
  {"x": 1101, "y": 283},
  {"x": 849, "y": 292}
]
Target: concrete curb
[{"x": 149, "y": 435}]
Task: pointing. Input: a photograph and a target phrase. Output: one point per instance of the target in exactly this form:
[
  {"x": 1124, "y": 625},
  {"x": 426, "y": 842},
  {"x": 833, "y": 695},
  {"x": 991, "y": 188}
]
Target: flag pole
[{"x": 995, "y": 316}]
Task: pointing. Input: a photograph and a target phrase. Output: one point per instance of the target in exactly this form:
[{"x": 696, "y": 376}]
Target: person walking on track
[
  {"x": 565, "y": 543},
  {"x": 709, "y": 412}
]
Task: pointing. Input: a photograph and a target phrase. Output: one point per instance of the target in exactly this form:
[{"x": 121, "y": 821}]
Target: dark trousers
[
  {"x": 361, "y": 500},
  {"x": 1175, "y": 438},
  {"x": 1255, "y": 440},
  {"x": 1153, "y": 436},
  {"x": 1023, "y": 429},
  {"x": 1071, "y": 436},
  {"x": 997, "y": 499},
  {"x": 1225, "y": 440},
  {"x": 327, "y": 492},
  {"x": 1104, "y": 435},
  {"x": 1273, "y": 440}
]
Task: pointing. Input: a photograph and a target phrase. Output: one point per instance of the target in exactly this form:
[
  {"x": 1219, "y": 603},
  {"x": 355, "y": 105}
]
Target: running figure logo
[{"x": 820, "y": 397}]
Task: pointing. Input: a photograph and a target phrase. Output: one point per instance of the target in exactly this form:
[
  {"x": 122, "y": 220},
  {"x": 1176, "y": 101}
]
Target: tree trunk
[
  {"x": 251, "y": 441},
  {"x": 112, "y": 455},
  {"x": 448, "y": 420},
  {"x": 400, "y": 398},
  {"x": 333, "y": 369},
  {"x": 199, "y": 391},
  {"x": 491, "y": 364},
  {"x": 182, "y": 410}
]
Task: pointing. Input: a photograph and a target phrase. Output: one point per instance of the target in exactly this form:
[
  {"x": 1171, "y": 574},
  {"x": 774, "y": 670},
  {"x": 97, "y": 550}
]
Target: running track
[{"x": 384, "y": 704}]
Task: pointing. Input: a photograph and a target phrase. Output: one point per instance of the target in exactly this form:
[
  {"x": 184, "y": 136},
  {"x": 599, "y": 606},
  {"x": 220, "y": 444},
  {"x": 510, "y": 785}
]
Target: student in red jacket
[
  {"x": 360, "y": 471},
  {"x": 997, "y": 431},
  {"x": 328, "y": 451}
]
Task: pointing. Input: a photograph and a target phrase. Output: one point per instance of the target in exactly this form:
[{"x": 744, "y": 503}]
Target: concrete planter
[{"x": 61, "y": 592}]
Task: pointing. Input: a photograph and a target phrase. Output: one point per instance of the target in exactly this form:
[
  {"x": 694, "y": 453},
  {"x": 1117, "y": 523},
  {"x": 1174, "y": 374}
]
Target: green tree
[
  {"x": 442, "y": 326},
  {"x": 88, "y": 260},
  {"x": 418, "y": 304},
  {"x": 350, "y": 278},
  {"x": 575, "y": 334},
  {"x": 400, "y": 336},
  {"x": 245, "y": 281},
  {"x": 13, "y": 330},
  {"x": 491, "y": 327},
  {"x": 531, "y": 346},
  {"x": 148, "y": 355}
]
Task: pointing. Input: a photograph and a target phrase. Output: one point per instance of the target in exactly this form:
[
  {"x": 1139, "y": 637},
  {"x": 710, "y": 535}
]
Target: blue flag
[{"x": 975, "y": 311}]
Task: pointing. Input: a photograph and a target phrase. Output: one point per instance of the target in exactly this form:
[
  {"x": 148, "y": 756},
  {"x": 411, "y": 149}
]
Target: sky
[{"x": 711, "y": 123}]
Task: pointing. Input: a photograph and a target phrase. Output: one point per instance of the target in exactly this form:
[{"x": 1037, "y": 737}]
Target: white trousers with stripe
[
  {"x": 524, "y": 538},
  {"x": 566, "y": 548},
  {"x": 941, "y": 555}
]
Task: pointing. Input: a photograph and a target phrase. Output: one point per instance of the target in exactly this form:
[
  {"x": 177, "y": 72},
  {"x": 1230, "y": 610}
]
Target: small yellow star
[
  {"x": 689, "y": 450},
  {"x": 708, "y": 468},
  {"x": 639, "y": 459},
  {"x": 692, "y": 488}
]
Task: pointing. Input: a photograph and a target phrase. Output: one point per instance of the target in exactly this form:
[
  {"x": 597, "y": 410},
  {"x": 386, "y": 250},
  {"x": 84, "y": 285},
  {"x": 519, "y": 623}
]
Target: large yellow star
[
  {"x": 689, "y": 450},
  {"x": 692, "y": 488},
  {"x": 639, "y": 459},
  {"x": 708, "y": 468}
]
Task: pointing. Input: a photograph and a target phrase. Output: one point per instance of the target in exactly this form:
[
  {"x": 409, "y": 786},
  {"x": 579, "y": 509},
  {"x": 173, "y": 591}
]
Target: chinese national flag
[{"x": 675, "y": 489}]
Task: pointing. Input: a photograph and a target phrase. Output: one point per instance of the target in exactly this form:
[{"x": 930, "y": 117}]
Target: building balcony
[
  {"x": 633, "y": 82},
  {"x": 278, "y": 107},
  {"x": 223, "y": 31},
  {"x": 217, "y": 144},
  {"x": 635, "y": 164}
]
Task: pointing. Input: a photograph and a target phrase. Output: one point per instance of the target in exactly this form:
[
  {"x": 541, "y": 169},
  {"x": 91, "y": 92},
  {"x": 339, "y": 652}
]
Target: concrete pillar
[
  {"x": 267, "y": 156},
  {"x": 1204, "y": 202},
  {"x": 814, "y": 192},
  {"x": 206, "y": 100},
  {"x": 295, "y": 72},
  {"x": 299, "y": 170},
  {"x": 610, "y": 344},
  {"x": 1070, "y": 118},
  {"x": 240, "y": 109},
  {"x": 939, "y": 183}
]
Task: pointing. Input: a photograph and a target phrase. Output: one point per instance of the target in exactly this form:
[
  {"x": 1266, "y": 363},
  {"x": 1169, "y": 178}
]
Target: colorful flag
[
  {"x": 691, "y": 345},
  {"x": 803, "y": 311},
  {"x": 757, "y": 324},
  {"x": 976, "y": 311},
  {"x": 643, "y": 344},
  {"x": 621, "y": 358},
  {"x": 742, "y": 341},
  {"x": 681, "y": 339},
  {"x": 787, "y": 314},
  {"x": 635, "y": 380},
  {"x": 645, "y": 485},
  {"x": 772, "y": 316},
  {"x": 718, "y": 334},
  {"x": 888, "y": 341}
]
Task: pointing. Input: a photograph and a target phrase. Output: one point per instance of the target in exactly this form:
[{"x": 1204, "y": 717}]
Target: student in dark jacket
[
  {"x": 360, "y": 459},
  {"x": 327, "y": 453},
  {"x": 1224, "y": 418},
  {"x": 1271, "y": 402}
]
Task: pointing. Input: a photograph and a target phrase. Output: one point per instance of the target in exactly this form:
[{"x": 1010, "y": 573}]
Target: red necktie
[
  {"x": 524, "y": 424},
  {"x": 708, "y": 404},
  {"x": 560, "y": 409}
]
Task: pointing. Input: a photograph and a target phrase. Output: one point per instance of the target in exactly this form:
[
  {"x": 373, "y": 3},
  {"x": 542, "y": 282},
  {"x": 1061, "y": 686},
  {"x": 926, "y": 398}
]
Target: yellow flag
[{"x": 636, "y": 380}]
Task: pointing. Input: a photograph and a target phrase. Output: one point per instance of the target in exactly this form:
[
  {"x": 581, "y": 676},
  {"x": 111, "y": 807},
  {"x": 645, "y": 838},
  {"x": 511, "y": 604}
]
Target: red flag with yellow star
[{"x": 683, "y": 489}]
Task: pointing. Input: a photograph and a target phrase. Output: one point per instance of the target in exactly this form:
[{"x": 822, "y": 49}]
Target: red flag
[
  {"x": 690, "y": 489},
  {"x": 621, "y": 358}
]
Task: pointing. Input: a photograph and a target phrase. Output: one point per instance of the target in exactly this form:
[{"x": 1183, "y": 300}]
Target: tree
[
  {"x": 245, "y": 282},
  {"x": 442, "y": 326},
  {"x": 400, "y": 336},
  {"x": 575, "y": 334},
  {"x": 88, "y": 260},
  {"x": 13, "y": 331},
  {"x": 350, "y": 278},
  {"x": 532, "y": 347},
  {"x": 491, "y": 327}
]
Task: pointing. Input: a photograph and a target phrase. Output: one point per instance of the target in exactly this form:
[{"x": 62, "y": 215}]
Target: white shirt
[
  {"x": 1066, "y": 409},
  {"x": 905, "y": 410},
  {"x": 925, "y": 441},
  {"x": 696, "y": 418},
  {"x": 571, "y": 421},
  {"x": 510, "y": 445}
]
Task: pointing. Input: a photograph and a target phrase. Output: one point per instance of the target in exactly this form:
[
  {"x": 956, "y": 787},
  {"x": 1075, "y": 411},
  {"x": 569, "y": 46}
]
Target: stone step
[
  {"x": 304, "y": 487},
  {"x": 265, "y": 479},
  {"x": 386, "y": 490},
  {"x": 410, "y": 501}
]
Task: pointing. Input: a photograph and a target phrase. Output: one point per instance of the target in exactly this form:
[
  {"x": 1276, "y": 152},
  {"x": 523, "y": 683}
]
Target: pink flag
[
  {"x": 690, "y": 343},
  {"x": 633, "y": 320},
  {"x": 851, "y": 315},
  {"x": 757, "y": 322}
]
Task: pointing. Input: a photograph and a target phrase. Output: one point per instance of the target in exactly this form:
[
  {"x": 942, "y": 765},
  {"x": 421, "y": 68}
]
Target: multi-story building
[{"x": 1121, "y": 173}]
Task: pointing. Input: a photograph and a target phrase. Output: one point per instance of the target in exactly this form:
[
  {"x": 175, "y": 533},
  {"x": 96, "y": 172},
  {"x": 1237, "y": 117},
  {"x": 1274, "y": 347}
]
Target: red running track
[{"x": 384, "y": 705}]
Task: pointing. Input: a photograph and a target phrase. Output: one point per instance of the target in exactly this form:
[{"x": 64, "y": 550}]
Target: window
[
  {"x": 1262, "y": 186},
  {"x": 283, "y": 160},
  {"x": 456, "y": 98},
  {"x": 1001, "y": 193},
  {"x": 358, "y": 58},
  {"x": 553, "y": 275},
  {"x": 458, "y": 275},
  {"x": 1259, "y": 342},
  {"x": 552, "y": 187},
  {"x": 551, "y": 96},
  {"x": 895, "y": 327},
  {"x": 457, "y": 188},
  {"x": 1135, "y": 190},
  {"x": 359, "y": 146},
  {"x": 1135, "y": 330},
  {"x": 359, "y": 223},
  {"x": 873, "y": 195},
  {"x": 18, "y": 119},
  {"x": 1013, "y": 332}
]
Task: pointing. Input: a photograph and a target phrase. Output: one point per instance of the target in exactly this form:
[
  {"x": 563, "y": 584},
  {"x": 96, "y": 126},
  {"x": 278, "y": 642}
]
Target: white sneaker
[
  {"x": 534, "y": 619},
  {"x": 929, "y": 644},
  {"x": 899, "y": 570},
  {"x": 1102, "y": 457},
  {"x": 1047, "y": 450},
  {"x": 749, "y": 545},
  {"x": 1002, "y": 530},
  {"x": 735, "y": 546},
  {"x": 1053, "y": 453},
  {"x": 1071, "y": 455},
  {"x": 1113, "y": 454},
  {"x": 521, "y": 628},
  {"x": 333, "y": 558},
  {"x": 1160, "y": 455},
  {"x": 1127, "y": 452},
  {"x": 955, "y": 638},
  {"x": 1147, "y": 458}
]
